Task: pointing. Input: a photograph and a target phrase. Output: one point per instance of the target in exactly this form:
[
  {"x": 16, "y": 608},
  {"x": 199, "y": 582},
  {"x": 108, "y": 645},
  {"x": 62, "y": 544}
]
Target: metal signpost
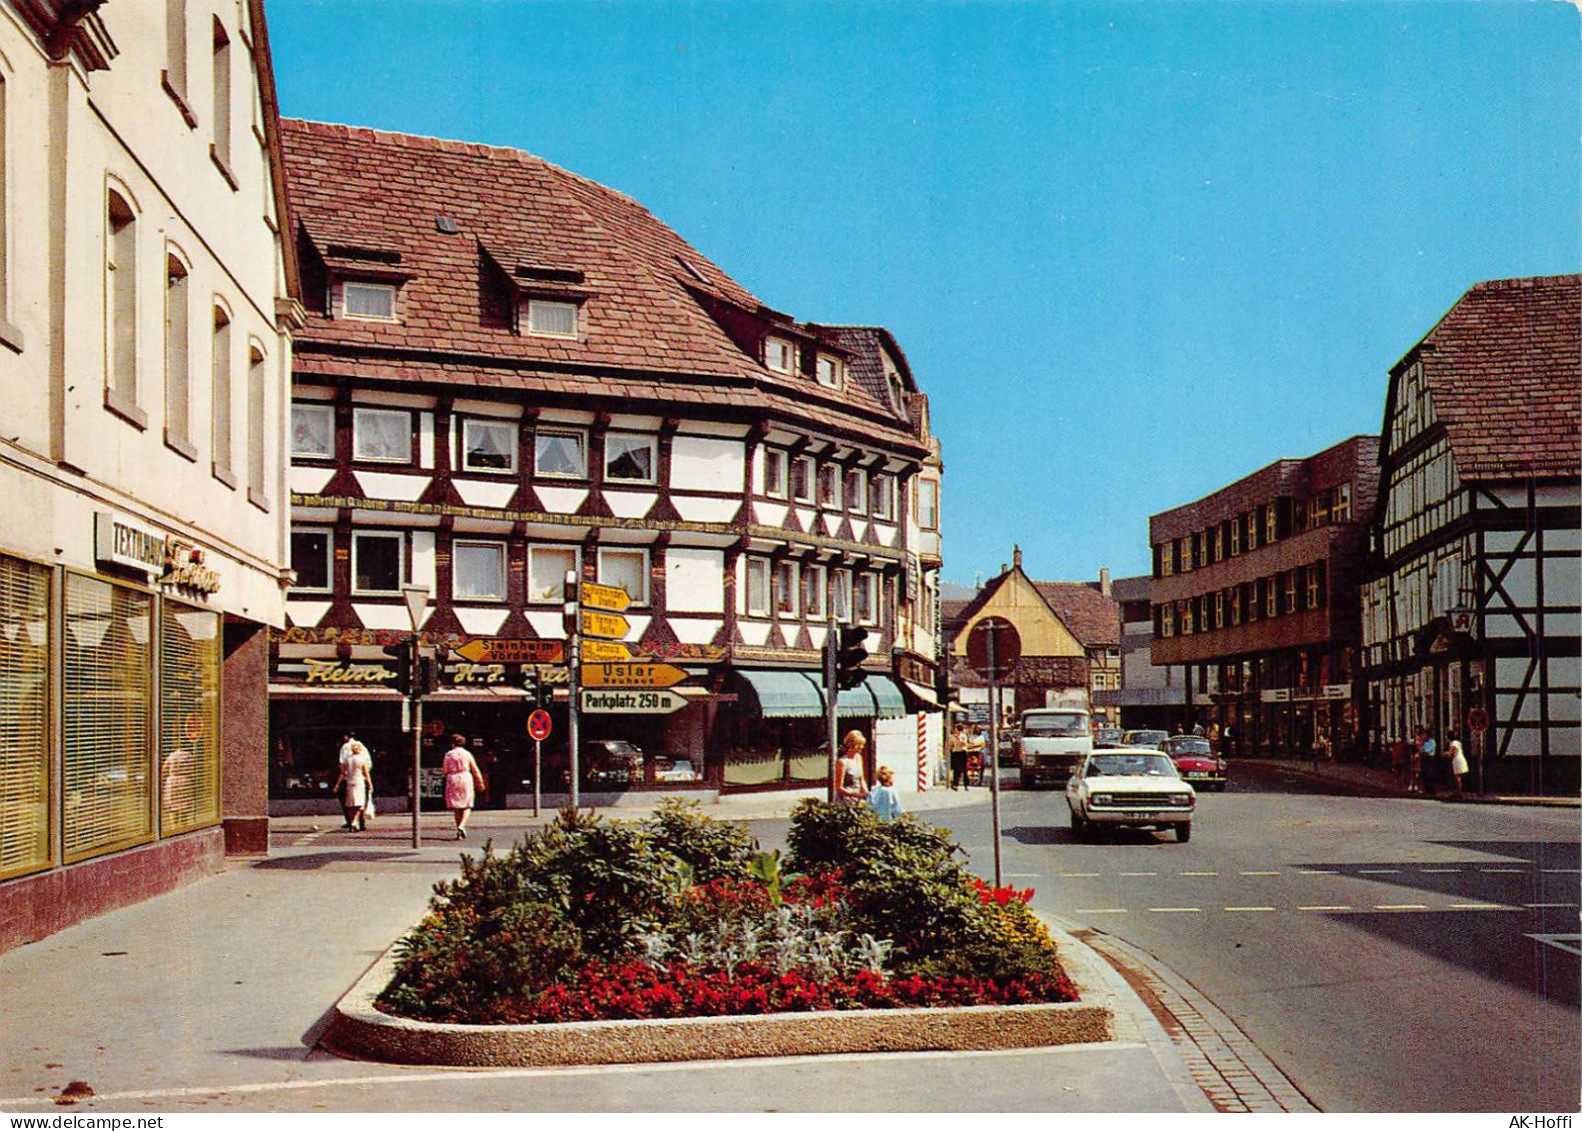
[
  {"x": 994, "y": 647},
  {"x": 416, "y": 597},
  {"x": 538, "y": 729}
]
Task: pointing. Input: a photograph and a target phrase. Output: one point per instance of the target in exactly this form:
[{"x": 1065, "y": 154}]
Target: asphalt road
[{"x": 1390, "y": 955}]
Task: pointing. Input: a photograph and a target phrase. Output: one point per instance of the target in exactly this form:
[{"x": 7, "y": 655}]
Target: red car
[{"x": 1196, "y": 761}]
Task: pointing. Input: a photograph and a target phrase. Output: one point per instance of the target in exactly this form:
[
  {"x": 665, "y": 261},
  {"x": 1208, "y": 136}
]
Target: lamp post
[{"x": 416, "y": 597}]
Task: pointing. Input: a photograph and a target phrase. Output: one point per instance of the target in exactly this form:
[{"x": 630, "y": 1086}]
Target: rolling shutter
[
  {"x": 109, "y": 790},
  {"x": 24, "y": 717},
  {"x": 189, "y": 719}
]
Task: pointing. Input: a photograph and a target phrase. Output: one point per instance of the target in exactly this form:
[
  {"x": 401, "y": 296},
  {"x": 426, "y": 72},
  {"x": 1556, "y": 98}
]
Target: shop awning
[
  {"x": 317, "y": 691},
  {"x": 886, "y": 696},
  {"x": 476, "y": 694},
  {"x": 876, "y": 696},
  {"x": 783, "y": 694},
  {"x": 924, "y": 695}
]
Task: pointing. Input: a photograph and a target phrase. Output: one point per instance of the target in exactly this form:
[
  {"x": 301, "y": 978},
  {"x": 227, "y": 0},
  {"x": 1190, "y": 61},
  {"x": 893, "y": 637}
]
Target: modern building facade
[
  {"x": 510, "y": 372},
  {"x": 1472, "y": 615},
  {"x": 146, "y": 302},
  {"x": 1256, "y": 597},
  {"x": 1150, "y": 696}
]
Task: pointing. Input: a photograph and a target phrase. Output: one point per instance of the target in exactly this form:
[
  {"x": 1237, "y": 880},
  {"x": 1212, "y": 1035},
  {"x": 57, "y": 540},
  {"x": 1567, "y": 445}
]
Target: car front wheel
[
  {"x": 1183, "y": 833},
  {"x": 1079, "y": 825}
]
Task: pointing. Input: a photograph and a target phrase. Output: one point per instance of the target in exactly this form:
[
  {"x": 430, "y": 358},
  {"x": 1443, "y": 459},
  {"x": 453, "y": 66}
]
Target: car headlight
[
  {"x": 1102, "y": 799},
  {"x": 1181, "y": 799}
]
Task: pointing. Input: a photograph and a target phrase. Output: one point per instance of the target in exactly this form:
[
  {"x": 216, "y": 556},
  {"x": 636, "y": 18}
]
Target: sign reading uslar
[
  {"x": 632, "y": 702},
  {"x": 631, "y": 675}
]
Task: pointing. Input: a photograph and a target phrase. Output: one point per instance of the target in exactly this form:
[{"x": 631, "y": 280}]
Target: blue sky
[{"x": 1133, "y": 251}]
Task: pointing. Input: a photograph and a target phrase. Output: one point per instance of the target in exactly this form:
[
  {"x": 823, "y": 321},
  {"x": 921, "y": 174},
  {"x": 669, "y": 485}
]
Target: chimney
[
  {"x": 1104, "y": 580},
  {"x": 1016, "y": 556}
]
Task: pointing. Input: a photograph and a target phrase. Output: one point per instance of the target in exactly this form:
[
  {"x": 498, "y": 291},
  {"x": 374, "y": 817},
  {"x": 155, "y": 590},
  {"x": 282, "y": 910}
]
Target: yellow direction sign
[
  {"x": 605, "y": 652},
  {"x": 631, "y": 675},
  {"x": 606, "y": 597},
  {"x": 611, "y": 626},
  {"x": 501, "y": 650}
]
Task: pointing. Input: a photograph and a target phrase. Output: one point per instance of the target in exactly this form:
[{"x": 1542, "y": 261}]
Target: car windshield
[
  {"x": 1129, "y": 765},
  {"x": 1065, "y": 725},
  {"x": 1189, "y": 746}
]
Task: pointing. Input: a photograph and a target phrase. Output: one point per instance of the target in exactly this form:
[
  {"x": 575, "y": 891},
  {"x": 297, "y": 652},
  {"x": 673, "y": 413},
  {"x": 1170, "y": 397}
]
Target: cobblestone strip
[{"x": 1232, "y": 1071}]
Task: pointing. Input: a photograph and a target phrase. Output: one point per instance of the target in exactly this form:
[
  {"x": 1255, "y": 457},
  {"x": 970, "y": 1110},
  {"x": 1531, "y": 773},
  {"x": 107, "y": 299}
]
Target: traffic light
[
  {"x": 530, "y": 684},
  {"x": 401, "y": 656},
  {"x": 428, "y": 675},
  {"x": 849, "y": 656}
]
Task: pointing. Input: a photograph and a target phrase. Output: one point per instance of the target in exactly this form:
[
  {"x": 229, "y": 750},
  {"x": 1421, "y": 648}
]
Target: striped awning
[{"x": 782, "y": 694}]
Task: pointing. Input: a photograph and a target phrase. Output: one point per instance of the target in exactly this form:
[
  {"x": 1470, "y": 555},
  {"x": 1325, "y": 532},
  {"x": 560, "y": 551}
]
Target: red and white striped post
[{"x": 923, "y": 765}]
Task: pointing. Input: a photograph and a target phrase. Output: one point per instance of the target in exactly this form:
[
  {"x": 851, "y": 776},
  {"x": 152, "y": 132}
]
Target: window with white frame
[
  {"x": 376, "y": 561},
  {"x": 257, "y": 407},
  {"x": 630, "y": 458},
  {"x": 310, "y": 558},
  {"x": 625, "y": 569},
  {"x": 814, "y": 584},
  {"x": 856, "y": 490},
  {"x": 927, "y": 503},
  {"x": 881, "y": 497},
  {"x": 222, "y": 94},
  {"x": 829, "y": 477},
  {"x": 478, "y": 570},
  {"x": 757, "y": 587},
  {"x": 865, "y": 609},
  {"x": 371, "y": 302},
  {"x": 802, "y": 479},
  {"x": 547, "y": 318},
  {"x": 840, "y": 595},
  {"x": 220, "y": 393},
  {"x": 382, "y": 435},
  {"x": 488, "y": 445},
  {"x": 178, "y": 341},
  {"x": 560, "y": 454},
  {"x": 120, "y": 293},
  {"x": 775, "y": 473},
  {"x": 176, "y": 47},
  {"x": 828, "y": 370},
  {"x": 312, "y": 431},
  {"x": 785, "y": 594},
  {"x": 546, "y": 572},
  {"x": 780, "y": 355}
]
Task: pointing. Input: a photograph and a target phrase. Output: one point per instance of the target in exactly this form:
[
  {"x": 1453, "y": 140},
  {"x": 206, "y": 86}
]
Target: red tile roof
[
  {"x": 1504, "y": 369},
  {"x": 367, "y": 197},
  {"x": 1093, "y": 618}
]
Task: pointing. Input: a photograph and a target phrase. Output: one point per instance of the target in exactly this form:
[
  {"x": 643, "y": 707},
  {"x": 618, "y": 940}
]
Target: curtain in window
[
  {"x": 628, "y": 457},
  {"x": 490, "y": 446},
  {"x": 479, "y": 570},
  {"x": 558, "y": 453},
  {"x": 757, "y": 587},
  {"x": 625, "y": 569},
  {"x": 24, "y": 717},
  {"x": 189, "y": 720},
  {"x": 384, "y": 435},
  {"x": 547, "y": 573},
  {"x": 312, "y": 431}
]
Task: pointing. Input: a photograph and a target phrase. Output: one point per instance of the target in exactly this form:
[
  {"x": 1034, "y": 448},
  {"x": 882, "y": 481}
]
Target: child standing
[{"x": 883, "y": 799}]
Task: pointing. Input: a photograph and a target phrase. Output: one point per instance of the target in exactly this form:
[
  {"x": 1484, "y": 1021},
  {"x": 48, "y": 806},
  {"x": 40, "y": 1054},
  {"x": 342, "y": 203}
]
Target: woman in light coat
[{"x": 463, "y": 782}]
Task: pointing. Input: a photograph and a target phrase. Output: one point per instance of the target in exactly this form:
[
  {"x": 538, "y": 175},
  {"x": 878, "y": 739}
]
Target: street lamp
[{"x": 416, "y": 597}]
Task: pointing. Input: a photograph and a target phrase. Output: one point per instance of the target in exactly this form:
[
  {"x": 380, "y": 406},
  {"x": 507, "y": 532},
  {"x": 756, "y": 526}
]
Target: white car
[{"x": 1130, "y": 786}]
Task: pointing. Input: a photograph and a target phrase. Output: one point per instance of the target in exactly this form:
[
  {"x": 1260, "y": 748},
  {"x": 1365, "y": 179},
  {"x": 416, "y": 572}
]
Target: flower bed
[{"x": 679, "y": 916}]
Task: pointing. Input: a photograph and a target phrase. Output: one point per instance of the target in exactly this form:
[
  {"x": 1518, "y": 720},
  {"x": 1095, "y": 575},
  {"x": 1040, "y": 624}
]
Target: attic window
[
  {"x": 780, "y": 355},
  {"x": 830, "y": 370},
  {"x": 551, "y": 319},
  {"x": 445, "y": 225},
  {"x": 369, "y": 301},
  {"x": 692, "y": 269}
]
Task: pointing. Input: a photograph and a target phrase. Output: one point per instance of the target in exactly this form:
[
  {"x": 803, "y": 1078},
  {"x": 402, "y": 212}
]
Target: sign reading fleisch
[
  {"x": 611, "y": 626},
  {"x": 632, "y": 702},
  {"x": 631, "y": 675},
  {"x": 346, "y": 672},
  {"x": 503, "y": 650},
  {"x": 606, "y": 597}
]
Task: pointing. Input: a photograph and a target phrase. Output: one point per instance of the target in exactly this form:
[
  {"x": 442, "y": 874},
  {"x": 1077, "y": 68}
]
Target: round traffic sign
[
  {"x": 1477, "y": 719},
  {"x": 538, "y": 725},
  {"x": 1006, "y": 647}
]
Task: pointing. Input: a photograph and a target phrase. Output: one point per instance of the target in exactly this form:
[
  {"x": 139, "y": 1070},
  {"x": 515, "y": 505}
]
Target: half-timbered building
[
  {"x": 1471, "y": 620},
  {"x": 508, "y": 372}
]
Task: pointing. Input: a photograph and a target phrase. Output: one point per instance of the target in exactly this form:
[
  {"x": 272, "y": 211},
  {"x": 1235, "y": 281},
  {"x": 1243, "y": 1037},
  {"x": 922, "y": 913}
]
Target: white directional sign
[{"x": 635, "y": 701}]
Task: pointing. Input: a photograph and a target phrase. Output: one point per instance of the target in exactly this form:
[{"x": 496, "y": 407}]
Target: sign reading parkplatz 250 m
[{"x": 635, "y": 702}]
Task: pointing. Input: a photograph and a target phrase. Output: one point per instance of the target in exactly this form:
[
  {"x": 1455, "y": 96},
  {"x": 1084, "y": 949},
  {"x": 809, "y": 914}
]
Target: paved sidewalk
[
  {"x": 1371, "y": 781},
  {"x": 213, "y": 998}
]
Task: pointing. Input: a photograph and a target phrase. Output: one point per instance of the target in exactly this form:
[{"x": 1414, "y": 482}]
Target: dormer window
[
  {"x": 830, "y": 370},
  {"x": 551, "y": 318},
  {"x": 373, "y": 302},
  {"x": 780, "y": 355}
]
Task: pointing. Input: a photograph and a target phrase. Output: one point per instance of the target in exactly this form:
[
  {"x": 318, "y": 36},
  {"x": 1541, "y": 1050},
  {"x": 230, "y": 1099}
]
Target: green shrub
[{"x": 712, "y": 849}]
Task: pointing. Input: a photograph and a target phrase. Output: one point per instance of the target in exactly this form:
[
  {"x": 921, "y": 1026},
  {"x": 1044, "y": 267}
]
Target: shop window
[
  {"x": 625, "y": 569},
  {"x": 547, "y": 567},
  {"x": 757, "y": 587},
  {"x": 369, "y": 302},
  {"x": 550, "y": 319},
  {"x": 108, "y": 790},
  {"x": 630, "y": 459},
  {"x": 560, "y": 454},
  {"x": 382, "y": 435},
  {"x": 829, "y": 480},
  {"x": 881, "y": 497},
  {"x": 310, "y": 558},
  {"x": 865, "y": 599},
  {"x": 785, "y": 585},
  {"x": 802, "y": 478},
  {"x": 488, "y": 445},
  {"x": 927, "y": 503},
  {"x": 774, "y": 473},
  {"x": 220, "y": 394},
  {"x": 814, "y": 583},
  {"x": 478, "y": 571},
  {"x": 177, "y": 353},
  {"x": 312, "y": 431},
  {"x": 376, "y": 562},
  {"x": 25, "y": 666},
  {"x": 856, "y": 490},
  {"x": 189, "y": 719}
]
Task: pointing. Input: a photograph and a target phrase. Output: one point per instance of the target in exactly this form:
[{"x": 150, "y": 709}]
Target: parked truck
[{"x": 1053, "y": 741}]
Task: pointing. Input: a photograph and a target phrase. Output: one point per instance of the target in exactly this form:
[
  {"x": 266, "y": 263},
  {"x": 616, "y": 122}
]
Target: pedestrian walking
[
  {"x": 1458, "y": 761},
  {"x": 851, "y": 776},
  {"x": 1426, "y": 763},
  {"x": 958, "y": 758},
  {"x": 355, "y": 783},
  {"x": 463, "y": 782},
  {"x": 883, "y": 799},
  {"x": 1322, "y": 750},
  {"x": 977, "y": 744}
]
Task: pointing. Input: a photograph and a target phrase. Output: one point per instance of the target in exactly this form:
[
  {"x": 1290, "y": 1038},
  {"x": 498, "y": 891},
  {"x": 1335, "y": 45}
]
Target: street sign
[
  {"x": 631, "y": 675},
  {"x": 611, "y": 626},
  {"x": 1478, "y": 719},
  {"x": 538, "y": 725},
  {"x": 605, "y": 652},
  {"x": 504, "y": 650},
  {"x": 632, "y": 702},
  {"x": 1007, "y": 645},
  {"x": 606, "y": 597}
]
